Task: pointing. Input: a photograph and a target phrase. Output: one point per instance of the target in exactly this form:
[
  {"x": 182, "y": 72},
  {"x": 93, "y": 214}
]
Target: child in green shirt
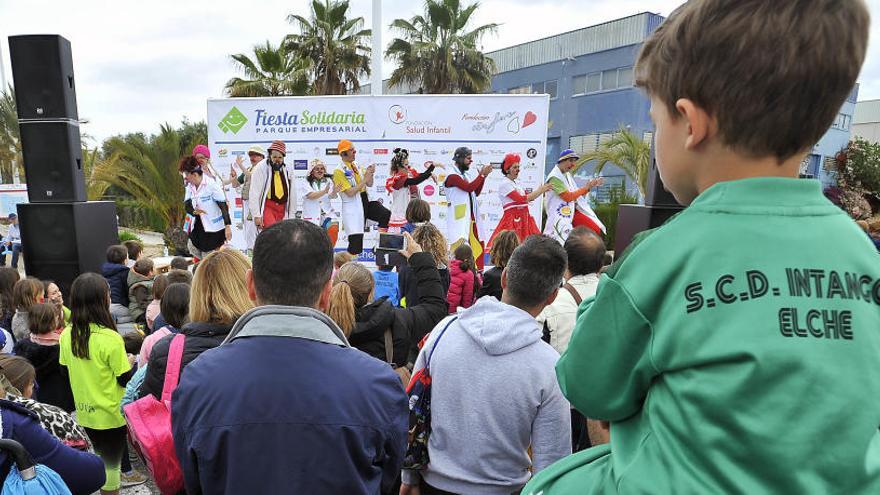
[
  {"x": 736, "y": 349},
  {"x": 94, "y": 354}
]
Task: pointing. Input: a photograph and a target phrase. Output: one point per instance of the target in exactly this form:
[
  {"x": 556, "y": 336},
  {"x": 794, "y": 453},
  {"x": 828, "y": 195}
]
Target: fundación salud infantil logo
[{"x": 232, "y": 121}]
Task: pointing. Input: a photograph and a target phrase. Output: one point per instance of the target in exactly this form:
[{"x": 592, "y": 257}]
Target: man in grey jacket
[{"x": 494, "y": 389}]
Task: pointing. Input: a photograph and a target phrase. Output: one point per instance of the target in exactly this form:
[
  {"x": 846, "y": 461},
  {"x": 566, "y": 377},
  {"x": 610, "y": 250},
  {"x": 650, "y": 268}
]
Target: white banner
[{"x": 429, "y": 126}]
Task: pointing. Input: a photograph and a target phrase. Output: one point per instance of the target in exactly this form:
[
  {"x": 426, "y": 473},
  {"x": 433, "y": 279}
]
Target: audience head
[
  {"x": 20, "y": 373},
  {"x": 418, "y": 212},
  {"x": 219, "y": 288},
  {"x": 465, "y": 255},
  {"x": 52, "y": 293},
  {"x": 175, "y": 305},
  {"x": 353, "y": 287},
  {"x": 117, "y": 254},
  {"x": 8, "y": 277},
  {"x": 179, "y": 263},
  {"x": 341, "y": 258},
  {"x": 144, "y": 266},
  {"x": 292, "y": 265},
  {"x": 502, "y": 247},
  {"x": 133, "y": 342},
  {"x": 534, "y": 273},
  {"x": 160, "y": 283},
  {"x": 43, "y": 318},
  {"x": 432, "y": 241},
  {"x": 89, "y": 303},
  {"x": 26, "y": 293},
  {"x": 134, "y": 248},
  {"x": 179, "y": 277},
  {"x": 585, "y": 252}
]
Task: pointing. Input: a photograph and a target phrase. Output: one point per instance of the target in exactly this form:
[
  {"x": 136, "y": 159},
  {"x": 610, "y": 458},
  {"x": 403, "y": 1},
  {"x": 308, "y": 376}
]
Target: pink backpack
[{"x": 149, "y": 426}]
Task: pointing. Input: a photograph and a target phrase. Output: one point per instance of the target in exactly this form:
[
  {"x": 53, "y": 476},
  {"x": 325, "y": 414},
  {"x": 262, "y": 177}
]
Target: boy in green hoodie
[{"x": 736, "y": 349}]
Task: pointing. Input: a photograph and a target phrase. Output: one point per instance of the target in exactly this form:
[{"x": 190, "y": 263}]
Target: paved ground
[{"x": 148, "y": 488}]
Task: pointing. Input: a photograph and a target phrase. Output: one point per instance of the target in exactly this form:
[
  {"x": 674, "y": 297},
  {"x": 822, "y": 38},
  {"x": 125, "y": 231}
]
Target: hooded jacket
[
  {"x": 140, "y": 293},
  {"x": 494, "y": 395},
  {"x": 286, "y": 406},
  {"x": 54, "y": 386},
  {"x": 408, "y": 325},
  {"x": 117, "y": 277},
  {"x": 462, "y": 285},
  {"x": 200, "y": 336}
]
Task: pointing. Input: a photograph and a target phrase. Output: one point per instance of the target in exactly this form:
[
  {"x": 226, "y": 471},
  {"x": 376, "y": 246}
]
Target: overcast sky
[{"x": 139, "y": 64}]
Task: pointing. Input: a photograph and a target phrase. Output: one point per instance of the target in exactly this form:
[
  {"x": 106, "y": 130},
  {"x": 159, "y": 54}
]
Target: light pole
[{"x": 376, "y": 63}]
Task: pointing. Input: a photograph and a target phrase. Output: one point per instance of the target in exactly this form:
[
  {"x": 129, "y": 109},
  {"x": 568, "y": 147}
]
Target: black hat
[{"x": 461, "y": 153}]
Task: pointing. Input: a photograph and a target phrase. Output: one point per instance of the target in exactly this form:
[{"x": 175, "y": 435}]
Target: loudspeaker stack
[
  {"x": 62, "y": 234},
  {"x": 659, "y": 207}
]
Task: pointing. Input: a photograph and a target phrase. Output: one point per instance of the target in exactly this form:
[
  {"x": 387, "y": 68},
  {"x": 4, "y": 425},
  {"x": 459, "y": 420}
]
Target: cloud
[{"x": 140, "y": 65}]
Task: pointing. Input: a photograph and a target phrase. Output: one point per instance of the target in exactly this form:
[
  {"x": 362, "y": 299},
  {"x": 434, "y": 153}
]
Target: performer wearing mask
[
  {"x": 356, "y": 205},
  {"x": 567, "y": 205},
  {"x": 317, "y": 190},
  {"x": 463, "y": 216},
  {"x": 272, "y": 197},
  {"x": 516, "y": 202},
  {"x": 402, "y": 184},
  {"x": 256, "y": 154}
]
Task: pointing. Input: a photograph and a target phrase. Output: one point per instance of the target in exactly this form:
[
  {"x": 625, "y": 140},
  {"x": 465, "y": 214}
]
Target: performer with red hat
[
  {"x": 516, "y": 202},
  {"x": 272, "y": 196}
]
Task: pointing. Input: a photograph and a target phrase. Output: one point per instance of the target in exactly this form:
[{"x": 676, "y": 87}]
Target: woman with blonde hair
[
  {"x": 219, "y": 296},
  {"x": 370, "y": 325},
  {"x": 432, "y": 241}
]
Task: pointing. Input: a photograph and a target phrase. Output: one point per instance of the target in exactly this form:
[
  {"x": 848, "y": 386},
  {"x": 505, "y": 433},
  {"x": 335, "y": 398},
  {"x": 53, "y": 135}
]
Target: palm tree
[
  {"x": 338, "y": 47},
  {"x": 146, "y": 169},
  {"x": 438, "y": 53},
  {"x": 10, "y": 141},
  {"x": 272, "y": 72},
  {"x": 95, "y": 188},
  {"x": 627, "y": 152}
]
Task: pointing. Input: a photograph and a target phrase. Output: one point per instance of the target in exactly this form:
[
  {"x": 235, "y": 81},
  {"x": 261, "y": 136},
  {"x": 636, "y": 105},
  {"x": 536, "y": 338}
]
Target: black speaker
[
  {"x": 657, "y": 195},
  {"x": 62, "y": 240},
  {"x": 52, "y": 161},
  {"x": 632, "y": 219},
  {"x": 42, "y": 70}
]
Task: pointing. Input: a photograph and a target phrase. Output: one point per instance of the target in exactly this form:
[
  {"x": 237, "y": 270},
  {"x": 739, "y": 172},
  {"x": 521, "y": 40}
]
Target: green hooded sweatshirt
[{"x": 735, "y": 349}]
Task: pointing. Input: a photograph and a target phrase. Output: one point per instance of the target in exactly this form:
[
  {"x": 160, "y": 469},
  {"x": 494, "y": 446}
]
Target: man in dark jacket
[{"x": 285, "y": 405}]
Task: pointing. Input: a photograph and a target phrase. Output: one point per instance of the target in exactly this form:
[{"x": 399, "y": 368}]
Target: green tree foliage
[
  {"x": 273, "y": 71},
  {"x": 626, "y": 151},
  {"x": 337, "y": 47},
  {"x": 858, "y": 176},
  {"x": 438, "y": 52},
  {"x": 10, "y": 142}
]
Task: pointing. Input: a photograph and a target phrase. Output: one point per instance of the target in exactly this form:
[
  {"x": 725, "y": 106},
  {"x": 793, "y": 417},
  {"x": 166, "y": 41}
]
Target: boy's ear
[{"x": 700, "y": 125}]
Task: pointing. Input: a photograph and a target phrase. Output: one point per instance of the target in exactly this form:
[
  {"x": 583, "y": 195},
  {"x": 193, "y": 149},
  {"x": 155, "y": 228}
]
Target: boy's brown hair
[
  {"x": 773, "y": 73},
  {"x": 502, "y": 248},
  {"x": 143, "y": 266},
  {"x": 26, "y": 292},
  {"x": 418, "y": 211},
  {"x": 42, "y": 318},
  {"x": 134, "y": 248}
]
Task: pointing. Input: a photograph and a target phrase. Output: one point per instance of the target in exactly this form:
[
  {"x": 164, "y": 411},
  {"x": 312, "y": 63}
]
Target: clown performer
[
  {"x": 316, "y": 191},
  {"x": 516, "y": 202},
  {"x": 463, "y": 215},
  {"x": 356, "y": 205},
  {"x": 272, "y": 197},
  {"x": 256, "y": 154},
  {"x": 403, "y": 186},
  {"x": 203, "y": 156},
  {"x": 567, "y": 205}
]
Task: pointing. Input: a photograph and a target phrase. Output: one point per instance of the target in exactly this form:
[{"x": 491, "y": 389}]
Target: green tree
[
  {"x": 146, "y": 170},
  {"x": 10, "y": 142},
  {"x": 95, "y": 188},
  {"x": 438, "y": 53},
  {"x": 272, "y": 72},
  {"x": 626, "y": 151},
  {"x": 338, "y": 47}
]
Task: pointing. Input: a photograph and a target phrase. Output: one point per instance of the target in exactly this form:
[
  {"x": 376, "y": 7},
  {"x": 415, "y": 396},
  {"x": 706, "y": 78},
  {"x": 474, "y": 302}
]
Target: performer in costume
[
  {"x": 567, "y": 205},
  {"x": 203, "y": 156},
  {"x": 256, "y": 154},
  {"x": 356, "y": 205},
  {"x": 272, "y": 197},
  {"x": 463, "y": 215},
  {"x": 515, "y": 202},
  {"x": 317, "y": 190},
  {"x": 403, "y": 186},
  {"x": 205, "y": 201}
]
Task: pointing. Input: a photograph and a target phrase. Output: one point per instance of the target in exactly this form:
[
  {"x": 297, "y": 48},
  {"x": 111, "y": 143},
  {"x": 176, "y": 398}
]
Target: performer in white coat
[
  {"x": 463, "y": 216},
  {"x": 256, "y": 154},
  {"x": 317, "y": 191},
  {"x": 567, "y": 205},
  {"x": 356, "y": 205},
  {"x": 272, "y": 196}
]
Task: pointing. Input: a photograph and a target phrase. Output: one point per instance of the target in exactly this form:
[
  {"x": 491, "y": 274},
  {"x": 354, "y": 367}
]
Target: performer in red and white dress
[
  {"x": 516, "y": 202},
  {"x": 402, "y": 185}
]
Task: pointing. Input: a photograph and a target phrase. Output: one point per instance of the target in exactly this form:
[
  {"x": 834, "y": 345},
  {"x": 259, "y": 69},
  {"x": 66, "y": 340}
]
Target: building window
[
  {"x": 520, "y": 90},
  {"x": 546, "y": 87},
  {"x": 842, "y": 122},
  {"x": 608, "y": 80}
]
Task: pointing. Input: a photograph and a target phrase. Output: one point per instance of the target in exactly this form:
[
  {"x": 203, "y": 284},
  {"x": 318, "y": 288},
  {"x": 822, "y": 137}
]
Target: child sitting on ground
[
  {"x": 140, "y": 289},
  {"x": 720, "y": 345},
  {"x": 464, "y": 280},
  {"x": 160, "y": 283},
  {"x": 25, "y": 294},
  {"x": 41, "y": 349},
  {"x": 115, "y": 272},
  {"x": 135, "y": 249}
]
